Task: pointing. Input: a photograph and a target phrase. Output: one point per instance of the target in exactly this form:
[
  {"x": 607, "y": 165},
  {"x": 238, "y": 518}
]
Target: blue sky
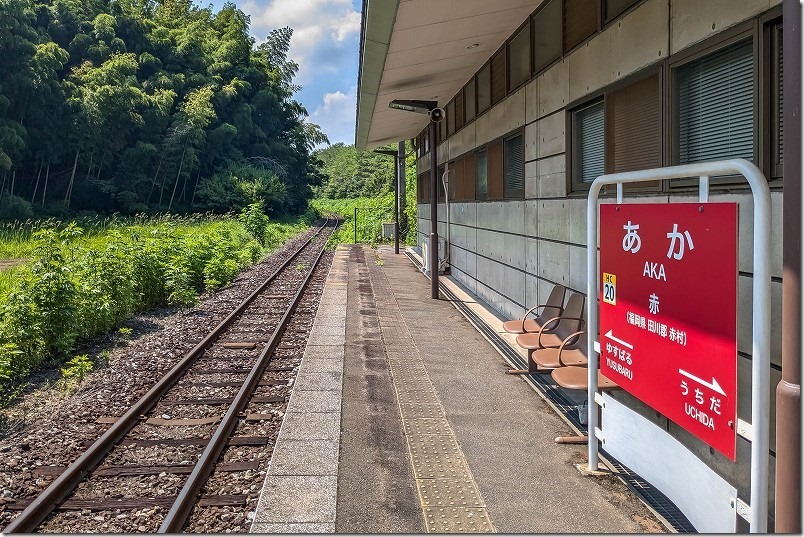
[{"x": 325, "y": 45}]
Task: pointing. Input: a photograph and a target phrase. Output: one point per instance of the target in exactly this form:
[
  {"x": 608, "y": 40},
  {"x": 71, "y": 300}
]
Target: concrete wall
[{"x": 510, "y": 253}]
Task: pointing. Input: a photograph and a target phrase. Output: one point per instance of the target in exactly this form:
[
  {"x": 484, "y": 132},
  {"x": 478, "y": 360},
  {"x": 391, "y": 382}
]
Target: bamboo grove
[{"x": 147, "y": 105}]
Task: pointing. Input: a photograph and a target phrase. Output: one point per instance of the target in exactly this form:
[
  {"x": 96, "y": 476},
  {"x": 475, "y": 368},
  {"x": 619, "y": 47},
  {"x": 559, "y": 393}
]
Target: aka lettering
[{"x": 654, "y": 270}]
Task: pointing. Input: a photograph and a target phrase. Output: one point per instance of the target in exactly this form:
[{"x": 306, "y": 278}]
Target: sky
[{"x": 325, "y": 44}]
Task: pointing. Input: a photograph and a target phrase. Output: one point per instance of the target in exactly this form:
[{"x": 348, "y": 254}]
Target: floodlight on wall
[{"x": 420, "y": 107}]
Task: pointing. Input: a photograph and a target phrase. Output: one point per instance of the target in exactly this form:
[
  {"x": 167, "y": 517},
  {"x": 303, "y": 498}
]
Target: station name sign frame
[{"x": 759, "y": 429}]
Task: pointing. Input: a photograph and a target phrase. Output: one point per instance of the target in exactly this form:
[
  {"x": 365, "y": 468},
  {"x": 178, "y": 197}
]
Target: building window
[
  {"x": 614, "y": 8},
  {"x": 498, "y": 76},
  {"x": 423, "y": 187},
  {"x": 484, "y": 89},
  {"x": 588, "y": 142},
  {"x": 580, "y": 21},
  {"x": 459, "y": 111},
  {"x": 519, "y": 58},
  {"x": 452, "y": 181},
  {"x": 495, "y": 170},
  {"x": 469, "y": 101},
  {"x": 547, "y": 35},
  {"x": 450, "y": 119},
  {"x": 777, "y": 104},
  {"x": 634, "y": 127},
  {"x": 714, "y": 96},
  {"x": 514, "y": 167},
  {"x": 481, "y": 175},
  {"x": 469, "y": 171},
  {"x": 440, "y": 183}
]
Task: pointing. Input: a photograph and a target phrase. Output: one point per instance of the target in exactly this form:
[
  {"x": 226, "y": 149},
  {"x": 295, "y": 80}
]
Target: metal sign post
[{"x": 760, "y": 350}]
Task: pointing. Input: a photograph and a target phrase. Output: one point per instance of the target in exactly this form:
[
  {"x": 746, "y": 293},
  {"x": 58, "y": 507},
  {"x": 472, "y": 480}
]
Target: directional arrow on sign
[
  {"x": 618, "y": 340},
  {"x": 713, "y": 386}
]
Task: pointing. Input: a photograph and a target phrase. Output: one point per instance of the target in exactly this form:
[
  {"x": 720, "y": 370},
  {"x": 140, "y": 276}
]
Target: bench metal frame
[{"x": 760, "y": 349}]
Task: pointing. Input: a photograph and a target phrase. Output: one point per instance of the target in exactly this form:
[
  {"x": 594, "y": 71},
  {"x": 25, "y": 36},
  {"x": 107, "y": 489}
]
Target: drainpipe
[
  {"x": 788, "y": 391},
  {"x": 445, "y": 183},
  {"x": 433, "y": 253}
]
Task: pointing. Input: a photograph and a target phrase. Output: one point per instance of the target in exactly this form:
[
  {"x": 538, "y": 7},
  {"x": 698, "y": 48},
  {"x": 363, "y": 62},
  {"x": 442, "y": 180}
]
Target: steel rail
[
  {"x": 180, "y": 510},
  {"x": 44, "y": 504}
]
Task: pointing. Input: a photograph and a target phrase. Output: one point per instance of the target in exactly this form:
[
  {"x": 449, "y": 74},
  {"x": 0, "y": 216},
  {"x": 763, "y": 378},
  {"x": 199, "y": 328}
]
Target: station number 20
[{"x": 610, "y": 288}]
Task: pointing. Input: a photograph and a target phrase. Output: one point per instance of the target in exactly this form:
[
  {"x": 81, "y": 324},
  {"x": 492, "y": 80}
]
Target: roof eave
[{"x": 378, "y": 17}]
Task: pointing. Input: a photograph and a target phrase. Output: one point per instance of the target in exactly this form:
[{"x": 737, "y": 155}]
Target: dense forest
[
  {"x": 351, "y": 173},
  {"x": 147, "y": 105}
]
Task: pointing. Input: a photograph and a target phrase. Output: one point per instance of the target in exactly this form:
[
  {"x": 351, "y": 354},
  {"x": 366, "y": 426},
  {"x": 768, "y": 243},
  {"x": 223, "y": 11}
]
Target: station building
[{"x": 543, "y": 96}]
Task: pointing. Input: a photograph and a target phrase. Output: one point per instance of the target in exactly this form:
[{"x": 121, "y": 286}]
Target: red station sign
[{"x": 668, "y": 312}]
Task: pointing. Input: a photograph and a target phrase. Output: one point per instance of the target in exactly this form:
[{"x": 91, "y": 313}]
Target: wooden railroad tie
[
  {"x": 134, "y": 470},
  {"x": 218, "y": 500},
  {"x": 234, "y": 441}
]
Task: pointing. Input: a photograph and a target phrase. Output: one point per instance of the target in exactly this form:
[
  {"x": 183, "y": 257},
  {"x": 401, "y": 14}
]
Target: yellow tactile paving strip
[{"x": 449, "y": 497}]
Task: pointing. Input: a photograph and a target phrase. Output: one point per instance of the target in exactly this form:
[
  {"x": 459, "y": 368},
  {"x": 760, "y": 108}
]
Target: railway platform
[{"x": 403, "y": 420}]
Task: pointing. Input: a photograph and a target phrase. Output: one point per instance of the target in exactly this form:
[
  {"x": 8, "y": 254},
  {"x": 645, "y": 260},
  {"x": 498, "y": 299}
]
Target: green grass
[
  {"x": 78, "y": 283},
  {"x": 371, "y": 213}
]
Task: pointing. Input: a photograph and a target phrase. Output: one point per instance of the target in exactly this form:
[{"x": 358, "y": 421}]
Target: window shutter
[
  {"x": 716, "y": 105},
  {"x": 547, "y": 41},
  {"x": 484, "y": 89},
  {"x": 482, "y": 175},
  {"x": 589, "y": 142},
  {"x": 498, "y": 77},
  {"x": 495, "y": 170},
  {"x": 779, "y": 101},
  {"x": 469, "y": 177},
  {"x": 634, "y": 123},
  {"x": 469, "y": 101},
  {"x": 459, "y": 112},
  {"x": 424, "y": 188},
  {"x": 450, "y": 119},
  {"x": 456, "y": 180},
  {"x": 580, "y": 21},
  {"x": 514, "y": 167}
]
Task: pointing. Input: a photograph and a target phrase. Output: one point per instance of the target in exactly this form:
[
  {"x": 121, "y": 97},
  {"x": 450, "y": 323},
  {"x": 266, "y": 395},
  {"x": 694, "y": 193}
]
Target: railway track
[{"x": 163, "y": 456}]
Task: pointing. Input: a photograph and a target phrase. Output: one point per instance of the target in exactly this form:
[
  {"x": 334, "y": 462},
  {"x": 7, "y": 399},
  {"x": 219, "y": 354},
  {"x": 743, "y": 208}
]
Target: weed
[
  {"x": 86, "y": 279},
  {"x": 76, "y": 369},
  {"x": 255, "y": 221},
  {"x": 125, "y": 331}
]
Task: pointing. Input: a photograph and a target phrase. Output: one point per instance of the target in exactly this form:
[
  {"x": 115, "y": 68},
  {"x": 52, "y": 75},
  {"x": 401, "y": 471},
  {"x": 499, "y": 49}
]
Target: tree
[
  {"x": 352, "y": 174},
  {"x": 128, "y": 105}
]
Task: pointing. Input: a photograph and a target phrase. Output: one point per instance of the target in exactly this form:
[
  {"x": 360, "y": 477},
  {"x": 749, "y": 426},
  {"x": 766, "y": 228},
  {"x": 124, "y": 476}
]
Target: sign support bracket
[{"x": 760, "y": 349}]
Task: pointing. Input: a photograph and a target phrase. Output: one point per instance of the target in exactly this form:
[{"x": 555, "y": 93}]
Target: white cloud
[
  {"x": 336, "y": 115},
  {"x": 325, "y": 32}
]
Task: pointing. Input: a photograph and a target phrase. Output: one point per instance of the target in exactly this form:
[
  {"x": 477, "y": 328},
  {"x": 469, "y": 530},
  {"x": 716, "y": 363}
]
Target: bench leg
[{"x": 532, "y": 368}]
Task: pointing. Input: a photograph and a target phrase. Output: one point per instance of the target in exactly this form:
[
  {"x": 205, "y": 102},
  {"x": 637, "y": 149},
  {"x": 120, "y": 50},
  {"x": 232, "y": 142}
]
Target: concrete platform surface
[{"x": 430, "y": 433}]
